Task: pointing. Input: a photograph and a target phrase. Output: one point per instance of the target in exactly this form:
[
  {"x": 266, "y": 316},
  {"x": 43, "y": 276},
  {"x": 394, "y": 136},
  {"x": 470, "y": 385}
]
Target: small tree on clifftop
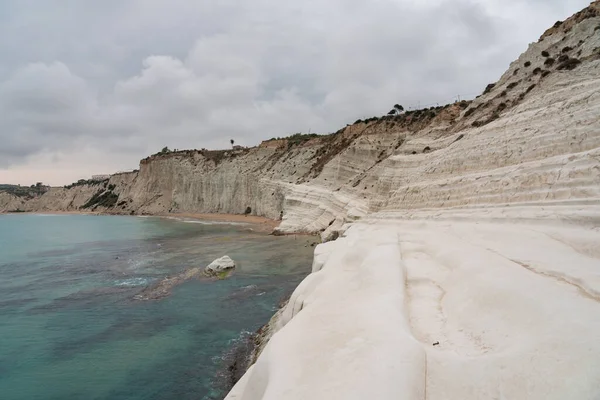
[{"x": 232, "y": 142}]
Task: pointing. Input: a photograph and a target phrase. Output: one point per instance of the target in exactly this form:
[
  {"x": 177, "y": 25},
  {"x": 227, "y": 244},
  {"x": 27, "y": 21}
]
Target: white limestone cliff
[{"x": 473, "y": 270}]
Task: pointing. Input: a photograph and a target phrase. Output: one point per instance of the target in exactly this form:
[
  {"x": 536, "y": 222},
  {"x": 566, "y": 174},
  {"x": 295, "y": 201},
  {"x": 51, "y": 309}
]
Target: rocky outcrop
[{"x": 220, "y": 268}]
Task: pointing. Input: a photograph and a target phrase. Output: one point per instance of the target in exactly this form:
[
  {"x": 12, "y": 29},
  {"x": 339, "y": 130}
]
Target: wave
[
  {"x": 136, "y": 263},
  {"x": 196, "y": 221},
  {"x": 51, "y": 215},
  {"x": 133, "y": 282}
]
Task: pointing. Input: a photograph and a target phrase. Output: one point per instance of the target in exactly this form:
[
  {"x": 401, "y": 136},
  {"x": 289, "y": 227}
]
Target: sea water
[{"x": 70, "y": 328}]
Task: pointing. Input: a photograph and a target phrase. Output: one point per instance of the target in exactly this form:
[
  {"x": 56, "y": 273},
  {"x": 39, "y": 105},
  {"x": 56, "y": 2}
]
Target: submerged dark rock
[
  {"x": 163, "y": 288},
  {"x": 245, "y": 351},
  {"x": 236, "y": 362}
]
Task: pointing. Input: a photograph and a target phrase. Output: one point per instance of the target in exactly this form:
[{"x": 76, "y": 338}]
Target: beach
[{"x": 260, "y": 224}]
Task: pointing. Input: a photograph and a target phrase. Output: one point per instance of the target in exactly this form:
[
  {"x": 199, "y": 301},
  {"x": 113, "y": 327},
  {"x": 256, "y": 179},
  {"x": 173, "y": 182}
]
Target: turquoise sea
[{"x": 70, "y": 328}]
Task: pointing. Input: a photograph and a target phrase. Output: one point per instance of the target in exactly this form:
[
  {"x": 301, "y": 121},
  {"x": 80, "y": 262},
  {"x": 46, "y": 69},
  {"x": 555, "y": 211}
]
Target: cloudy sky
[{"x": 91, "y": 86}]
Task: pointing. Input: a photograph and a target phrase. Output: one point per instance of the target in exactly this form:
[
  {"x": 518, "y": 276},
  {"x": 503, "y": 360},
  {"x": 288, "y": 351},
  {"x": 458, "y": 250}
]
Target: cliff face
[
  {"x": 473, "y": 272},
  {"x": 10, "y": 202},
  {"x": 533, "y": 136}
]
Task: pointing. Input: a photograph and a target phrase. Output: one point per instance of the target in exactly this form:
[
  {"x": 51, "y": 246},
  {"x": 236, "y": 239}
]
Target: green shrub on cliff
[
  {"x": 102, "y": 198},
  {"x": 300, "y": 138}
]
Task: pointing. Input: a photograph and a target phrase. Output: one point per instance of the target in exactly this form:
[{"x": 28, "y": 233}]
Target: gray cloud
[{"x": 120, "y": 79}]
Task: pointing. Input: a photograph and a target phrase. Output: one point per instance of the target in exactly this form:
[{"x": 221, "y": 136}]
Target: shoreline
[
  {"x": 53, "y": 213},
  {"x": 261, "y": 224},
  {"x": 258, "y": 223}
]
